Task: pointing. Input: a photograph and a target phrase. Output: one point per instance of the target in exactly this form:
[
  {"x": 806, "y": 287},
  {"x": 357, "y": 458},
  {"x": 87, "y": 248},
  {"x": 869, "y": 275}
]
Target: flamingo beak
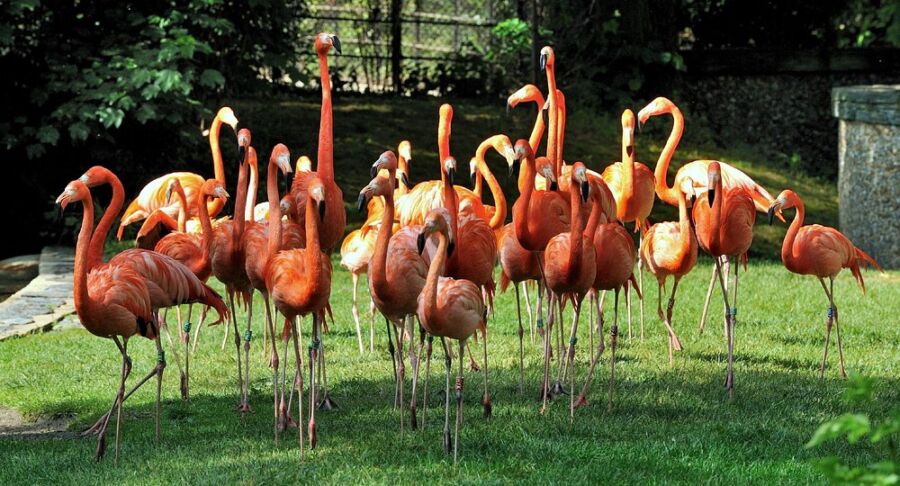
[
  {"x": 513, "y": 169},
  {"x": 405, "y": 179},
  {"x": 585, "y": 191},
  {"x": 322, "y": 211},
  {"x": 554, "y": 186},
  {"x": 629, "y": 150},
  {"x": 711, "y": 195},
  {"x": 373, "y": 171},
  {"x": 336, "y": 43},
  {"x": 771, "y": 213},
  {"x": 543, "y": 62},
  {"x": 361, "y": 202},
  {"x": 451, "y": 175},
  {"x": 420, "y": 242},
  {"x": 242, "y": 154},
  {"x": 168, "y": 194}
]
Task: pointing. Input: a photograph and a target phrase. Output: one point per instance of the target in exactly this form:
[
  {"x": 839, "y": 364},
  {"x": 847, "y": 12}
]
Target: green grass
[{"x": 670, "y": 425}]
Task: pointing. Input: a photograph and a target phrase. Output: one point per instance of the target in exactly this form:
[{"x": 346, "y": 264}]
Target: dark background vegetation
[{"x": 131, "y": 85}]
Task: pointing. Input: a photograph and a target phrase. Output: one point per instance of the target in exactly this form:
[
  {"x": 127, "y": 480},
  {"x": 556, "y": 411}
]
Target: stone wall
[{"x": 869, "y": 168}]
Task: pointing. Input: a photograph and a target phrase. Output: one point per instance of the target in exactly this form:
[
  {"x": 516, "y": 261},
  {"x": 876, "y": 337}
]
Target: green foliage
[
  {"x": 855, "y": 427},
  {"x": 866, "y": 22},
  {"x": 88, "y": 68}
]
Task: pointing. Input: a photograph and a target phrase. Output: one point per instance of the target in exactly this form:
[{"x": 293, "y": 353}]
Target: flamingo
[
  {"x": 397, "y": 272},
  {"x": 615, "y": 257},
  {"x": 548, "y": 64},
  {"x": 114, "y": 301},
  {"x": 159, "y": 221},
  {"x": 335, "y": 219},
  {"x": 254, "y": 242},
  {"x": 820, "y": 251},
  {"x": 227, "y": 258},
  {"x": 192, "y": 251},
  {"x": 299, "y": 280},
  {"x": 670, "y": 248},
  {"x": 724, "y": 227},
  {"x": 632, "y": 184},
  {"x": 359, "y": 244},
  {"x": 152, "y": 196},
  {"x": 570, "y": 268},
  {"x": 696, "y": 171},
  {"x": 448, "y": 308}
]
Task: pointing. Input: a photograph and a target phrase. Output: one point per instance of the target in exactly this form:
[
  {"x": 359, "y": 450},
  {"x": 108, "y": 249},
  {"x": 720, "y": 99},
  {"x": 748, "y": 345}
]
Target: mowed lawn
[{"x": 667, "y": 425}]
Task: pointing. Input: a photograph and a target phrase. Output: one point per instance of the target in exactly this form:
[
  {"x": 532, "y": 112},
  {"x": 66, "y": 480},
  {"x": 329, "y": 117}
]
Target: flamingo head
[
  {"x": 281, "y": 157},
  {"x": 714, "y": 184},
  {"x": 545, "y": 168},
  {"x": 548, "y": 58},
  {"x": 173, "y": 186},
  {"x": 405, "y": 151},
  {"x": 473, "y": 166},
  {"x": 286, "y": 205},
  {"x": 437, "y": 221},
  {"x": 628, "y": 132},
  {"x": 380, "y": 185},
  {"x": 659, "y": 106},
  {"x": 686, "y": 186},
  {"x": 504, "y": 147},
  {"x": 243, "y": 139},
  {"x": 529, "y": 92},
  {"x": 226, "y": 116},
  {"x": 387, "y": 160},
  {"x": 786, "y": 200},
  {"x": 95, "y": 176},
  {"x": 579, "y": 178},
  {"x": 316, "y": 191},
  {"x": 450, "y": 169},
  {"x": 324, "y": 43},
  {"x": 522, "y": 150},
  {"x": 75, "y": 191},
  {"x": 213, "y": 188},
  {"x": 304, "y": 164}
]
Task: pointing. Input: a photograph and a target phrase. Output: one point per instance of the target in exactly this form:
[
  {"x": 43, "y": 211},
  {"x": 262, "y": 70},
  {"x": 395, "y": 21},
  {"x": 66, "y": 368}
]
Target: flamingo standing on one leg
[
  {"x": 152, "y": 196},
  {"x": 299, "y": 280},
  {"x": 724, "y": 226},
  {"x": 820, "y": 251},
  {"x": 397, "y": 273},
  {"x": 696, "y": 171},
  {"x": 448, "y": 308},
  {"x": 632, "y": 184},
  {"x": 570, "y": 267},
  {"x": 670, "y": 248}
]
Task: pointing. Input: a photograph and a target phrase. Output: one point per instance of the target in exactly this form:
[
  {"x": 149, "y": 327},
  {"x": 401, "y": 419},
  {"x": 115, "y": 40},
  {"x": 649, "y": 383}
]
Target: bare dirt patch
[{"x": 14, "y": 426}]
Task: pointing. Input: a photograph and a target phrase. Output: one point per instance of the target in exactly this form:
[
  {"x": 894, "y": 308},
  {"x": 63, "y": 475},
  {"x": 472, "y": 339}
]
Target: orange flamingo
[
  {"x": 632, "y": 184},
  {"x": 548, "y": 64},
  {"x": 397, "y": 272},
  {"x": 359, "y": 244},
  {"x": 113, "y": 300},
  {"x": 820, "y": 251},
  {"x": 724, "y": 226},
  {"x": 530, "y": 93},
  {"x": 696, "y": 171},
  {"x": 670, "y": 248},
  {"x": 615, "y": 257},
  {"x": 449, "y": 308},
  {"x": 254, "y": 242},
  {"x": 299, "y": 280},
  {"x": 152, "y": 196},
  {"x": 227, "y": 257},
  {"x": 332, "y": 229},
  {"x": 159, "y": 222},
  {"x": 570, "y": 269}
]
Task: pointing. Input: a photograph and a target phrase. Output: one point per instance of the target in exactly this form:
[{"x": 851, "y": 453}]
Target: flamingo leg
[
  {"x": 271, "y": 327},
  {"x": 676, "y": 343},
  {"x": 298, "y": 376},
  {"x": 428, "y": 349},
  {"x": 448, "y": 363},
  {"x": 165, "y": 326},
  {"x": 313, "y": 362},
  {"x": 460, "y": 381},
  {"x": 521, "y": 337},
  {"x": 486, "y": 399},
  {"x": 393, "y": 361},
  {"x": 613, "y": 335},
  {"x": 237, "y": 345},
  {"x": 414, "y": 361},
  {"x": 231, "y": 318},
  {"x": 100, "y": 427},
  {"x": 709, "y": 291},
  {"x": 828, "y": 325},
  {"x": 600, "y": 321},
  {"x": 248, "y": 335},
  {"x": 581, "y": 401},
  {"x": 203, "y": 312},
  {"x": 545, "y": 384},
  {"x": 724, "y": 271},
  {"x": 837, "y": 325},
  {"x": 354, "y": 309},
  {"x": 640, "y": 267},
  {"x": 732, "y": 325},
  {"x": 662, "y": 316},
  {"x": 573, "y": 340},
  {"x": 326, "y": 403},
  {"x": 628, "y": 308},
  {"x": 557, "y": 386},
  {"x": 527, "y": 310},
  {"x": 160, "y": 367},
  {"x": 592, "y": 301},
  {"x": 723, "y": 277},
  {"x": 371, "y": 325},
  {"x": 401, "y": 366},
  {"x": 186, "y": 340}
]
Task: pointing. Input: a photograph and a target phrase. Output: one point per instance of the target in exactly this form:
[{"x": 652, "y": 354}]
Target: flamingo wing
[{"x": 153, "y": 197}]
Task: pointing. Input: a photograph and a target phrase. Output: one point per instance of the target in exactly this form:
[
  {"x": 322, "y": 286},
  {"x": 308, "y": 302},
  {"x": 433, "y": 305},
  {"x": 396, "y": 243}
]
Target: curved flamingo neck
[
  {"x": 274, "y": 243},
  {"x": 596, "y": 211},
  {"x": 183, "y": 210},
  {"x": 218, "y": 165},
  {"x": 403, "y": 165},
  {"x": 446, "y": 118},
  {"x": 576, "y": 238},
  {"x": 83, "y": 264},
  {"x": 627, "y": 174},
  {"x": 685, "y": 234},
  {"x": 240, "y": 200},
  {"x": 520, "y": 209},
  {"x": 313, "y": 243},
  {"x": 98, "y": 240},
  {"x": 429, "y": 292},
  {"x": 561, "y": 130},
  {"x": 325, "y": 163},
  {"x": 715, "y": 217},
  {"x": 666, "y": 192},
  {"x": 382, "y": 240},
  {"x": 787, "y": 247},
  {"x": 499, "y": 216},
  {"x": 206, "y": 236},
  {"x": 252, "y": 189},
  {"x": 537, "y": 131}
]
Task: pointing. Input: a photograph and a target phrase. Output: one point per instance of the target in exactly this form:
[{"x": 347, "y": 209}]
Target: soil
[{"x": 14, "y": 426}]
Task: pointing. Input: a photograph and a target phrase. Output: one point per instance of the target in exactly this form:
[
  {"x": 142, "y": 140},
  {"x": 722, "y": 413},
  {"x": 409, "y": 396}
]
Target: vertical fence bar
[
  {"x": 396, "y": 44},
  {"x": 534, "y": 42}
]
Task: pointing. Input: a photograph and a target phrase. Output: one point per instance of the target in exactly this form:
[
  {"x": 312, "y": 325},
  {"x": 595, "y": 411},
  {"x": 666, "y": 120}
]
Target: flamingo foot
[
  {"x": 488, "y": 408},
  {"x": 101, "y": 445},
  {"x": 184, "y": 387},
  {"x": 96, "y": 428},
  {"x": 448, "y": 442},
  {"x": 311, "y": 430},
  {"x": 327, "y": 403}
]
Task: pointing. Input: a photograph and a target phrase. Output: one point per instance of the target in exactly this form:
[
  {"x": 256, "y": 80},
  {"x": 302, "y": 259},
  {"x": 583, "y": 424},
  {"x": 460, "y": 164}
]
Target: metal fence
[{"x": 392, "y": 45}]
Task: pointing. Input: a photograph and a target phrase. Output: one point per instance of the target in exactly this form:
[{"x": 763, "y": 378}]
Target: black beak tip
[
  {"x": 711, "y": 196},
  {"x": 630, "y": 150},
  {"x": 450, "y": 247},
  {"x": 543, "y": 62},
  {"x": 321, "y": 210},
  {"x": 336, "y": 43},
  {"x": 451, "y": 176},
  {"x": 512, "y": 170},
  {"x": 373, "y": 171},
  {"x": 420, "y": 243},
  {"x": 554, "y": 186},
  {"x": 361, "y": 203},
  {"x": 771, "y": 214},
  {"x": 405, "y": 180},
  {"x": 693, "y": 199},
  {"x": 585, "y": 191}
]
